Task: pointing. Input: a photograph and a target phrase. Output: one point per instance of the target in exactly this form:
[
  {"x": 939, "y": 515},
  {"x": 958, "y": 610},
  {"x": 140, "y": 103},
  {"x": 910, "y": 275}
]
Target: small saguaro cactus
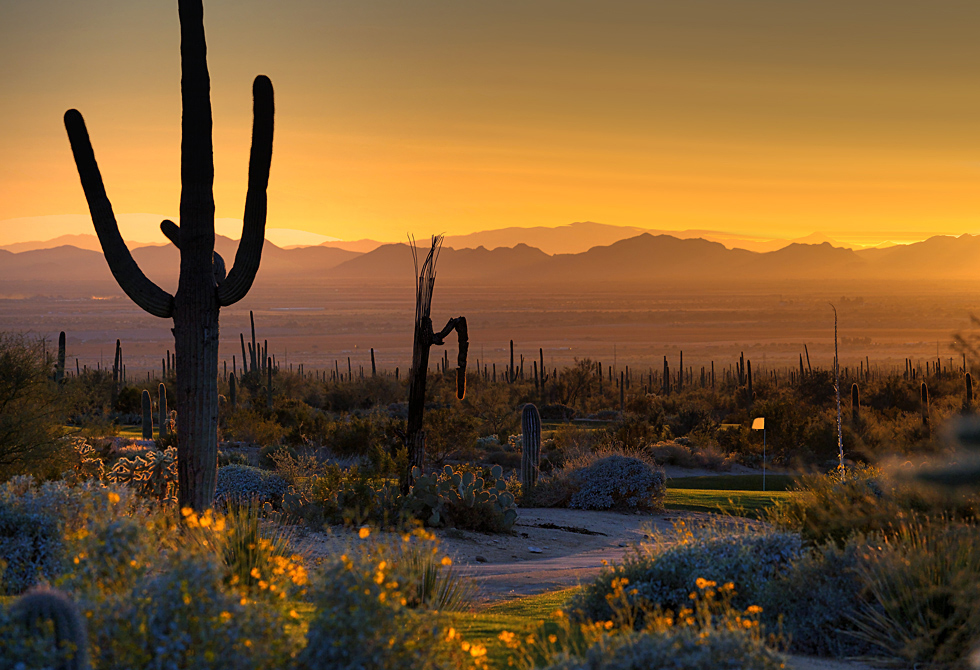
[
  {"x": 202, "y": 289},
  {"x": 43, "y": 604},
  {"x": 232, "y": 391},
  {"x": 268, "y": 369},
  {"x": 162, "y": 407},
  {"x": 968, "y": 405},
  {"x": 147, "y": 416},
  {"x": 116, "y": 373},
  {"x": 530, "y": 446},
  {"x": 924, "y": 403},
  {"x": 855, "y": 404},
  {"x": 59, "y": 372}
]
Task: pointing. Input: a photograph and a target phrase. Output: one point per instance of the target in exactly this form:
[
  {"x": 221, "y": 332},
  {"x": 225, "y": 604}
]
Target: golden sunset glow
[{"x": 860, "y": 120}]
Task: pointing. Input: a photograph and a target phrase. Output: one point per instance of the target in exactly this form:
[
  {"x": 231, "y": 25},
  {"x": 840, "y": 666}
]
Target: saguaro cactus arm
[
  {"x": 127, "y": 273},
  {"x": 459, "y": 325},
  {"x": 242, "y": 274},
  {"x": 172, "y": 232}
]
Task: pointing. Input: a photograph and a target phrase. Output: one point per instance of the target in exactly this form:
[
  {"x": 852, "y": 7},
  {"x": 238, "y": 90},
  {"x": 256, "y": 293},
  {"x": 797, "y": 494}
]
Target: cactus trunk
[
  {"x": 530, "y": 446},
  {"x": 147, "y": 416},
  {"x": 164, "y": 413},
  {"x": 233, "y": 391}
]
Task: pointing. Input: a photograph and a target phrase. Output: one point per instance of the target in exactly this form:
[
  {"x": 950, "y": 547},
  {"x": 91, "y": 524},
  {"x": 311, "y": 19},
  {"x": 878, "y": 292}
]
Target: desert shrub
[
  {"x": 363, "y": 620},
  {"x": 182, "y": 616},
  {"x": 243, "y": 482},
  {"x": 251, "y": 426},
  {"x": 72, "y": 506},
  {"x": 922, "y": 584},
  {"x": 860, "y": 501},
  {"x": 257, "y": 562},
  {"x": 553, "y": 489},
  {"x": 30, "y": 549},
  {"x": 354, "y": 435},
  {"x": 33, "y": 411},
  {"x": 620, "y": 482},
  {"x": 688, "y": 456},
  {"x": 110, "y": 555},
  {"x": 232, "y": 458},
  {"x": 432, "y": 580},
  {"x": 450, "y": 433},
  {"x": 815, "y": 601},
  {"x": 666, "y": 571},
  {"x": 266, "y": 453},
  {"x": 708, "y": 632}
]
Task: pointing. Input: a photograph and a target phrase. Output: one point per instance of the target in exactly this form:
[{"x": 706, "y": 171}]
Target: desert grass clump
[{"x": 922, "y": 584}]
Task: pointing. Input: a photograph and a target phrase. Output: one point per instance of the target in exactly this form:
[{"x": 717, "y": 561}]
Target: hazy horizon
[{"x": 761, "y": 119}]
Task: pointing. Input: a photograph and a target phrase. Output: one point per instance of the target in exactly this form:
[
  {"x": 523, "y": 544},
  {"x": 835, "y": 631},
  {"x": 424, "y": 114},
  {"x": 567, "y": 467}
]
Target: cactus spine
[
  {"x": 202, "y": 287},
  {"x": 164, "y": 414},
  {"x": 147, "y": 416},
  {"x": 530, "y": 446},
  {"x": 47, "y": 604}
]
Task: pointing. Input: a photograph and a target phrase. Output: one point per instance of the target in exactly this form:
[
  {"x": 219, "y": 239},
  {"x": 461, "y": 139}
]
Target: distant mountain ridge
[{"x": 644, "y": 259}]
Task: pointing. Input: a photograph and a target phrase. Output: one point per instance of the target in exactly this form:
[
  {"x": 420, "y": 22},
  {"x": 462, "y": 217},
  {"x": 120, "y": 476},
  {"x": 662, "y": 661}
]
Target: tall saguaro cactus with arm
[{"x": 200, "y": 292}]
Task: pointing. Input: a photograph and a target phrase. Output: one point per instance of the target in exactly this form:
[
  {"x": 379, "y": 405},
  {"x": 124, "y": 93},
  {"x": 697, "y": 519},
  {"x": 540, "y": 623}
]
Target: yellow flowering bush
[
  {"x": 364, "y": 616},
  {"x": 708, "y": 633}
]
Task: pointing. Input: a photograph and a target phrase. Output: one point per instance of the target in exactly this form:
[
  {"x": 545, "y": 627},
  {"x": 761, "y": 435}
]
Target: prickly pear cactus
[{"x": 457, "y": 499}]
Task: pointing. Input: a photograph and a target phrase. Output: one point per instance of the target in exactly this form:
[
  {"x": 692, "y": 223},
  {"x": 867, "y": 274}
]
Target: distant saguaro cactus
[
  {"x": 855, "y": 404},
  {"x": 116, "y": 373},
  {"x": 200, "y": 295},
  {"x": 59, "y": 371},
  {"x": 147, "y": 416},
  {"x": 232, "y": 391},
  {"x": 968, "y": 406},
  {"x": 530, "y": 446},
  {"x": 162, "y": 408},
  {"x": 924, "y": 403},
  {"x": 46, "y": 604}
]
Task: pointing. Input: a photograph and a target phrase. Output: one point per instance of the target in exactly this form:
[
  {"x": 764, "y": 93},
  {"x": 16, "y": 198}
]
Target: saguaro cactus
[
  {"x": 968, "y": 404},
  {"x": 232, "y": 391},
  {"x": 59, "y": 371},
  {"x": 147, "y": 416},
  {"x": 530, "y": 446},
  {"x": 924, "y": 403},
  {"x": 424, "y": 339},
  {"x": 46, "y": 604},
  {"x": 855, "y": 404},
  {"x": 195, "y": 306},
  {"x": 163, "y": 413}
]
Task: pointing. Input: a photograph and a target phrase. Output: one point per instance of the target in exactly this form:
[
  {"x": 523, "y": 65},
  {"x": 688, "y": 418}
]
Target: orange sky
[{"x": 769, "y": 118}]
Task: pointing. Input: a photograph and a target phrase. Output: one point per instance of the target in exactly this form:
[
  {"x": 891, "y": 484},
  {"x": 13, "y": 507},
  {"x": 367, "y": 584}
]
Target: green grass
[
  {"x": 741, "y": 503},
  {"x": 733, "y": 482},
  {"x": 517, "y": 616}
]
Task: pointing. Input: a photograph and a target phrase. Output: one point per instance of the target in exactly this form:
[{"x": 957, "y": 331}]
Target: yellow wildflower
[
  {"x": 113, "y": 497},
  {"x": 364, "y": 532}
]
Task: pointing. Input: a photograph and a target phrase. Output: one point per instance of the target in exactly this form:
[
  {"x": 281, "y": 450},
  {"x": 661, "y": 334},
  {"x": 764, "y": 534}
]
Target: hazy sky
[{"x": 776, "y": 118}]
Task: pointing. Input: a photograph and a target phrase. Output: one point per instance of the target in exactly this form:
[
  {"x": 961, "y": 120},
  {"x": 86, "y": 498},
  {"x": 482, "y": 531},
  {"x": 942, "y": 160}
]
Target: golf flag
[{"x": 759, "y": 424}]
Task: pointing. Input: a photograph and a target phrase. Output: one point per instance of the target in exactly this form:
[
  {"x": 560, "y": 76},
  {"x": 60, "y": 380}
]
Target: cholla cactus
[
  {"x": 530, "y": 446},
  {"x": 152, "y": 474}
]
